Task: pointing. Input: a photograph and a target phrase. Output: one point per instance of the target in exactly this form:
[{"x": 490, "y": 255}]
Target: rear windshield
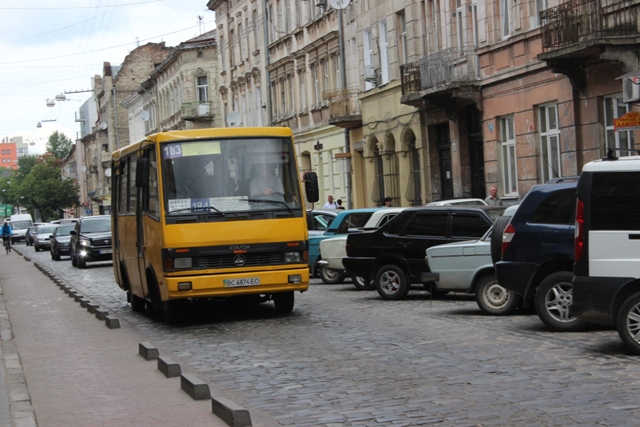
[{"x": 615, "y": 201}]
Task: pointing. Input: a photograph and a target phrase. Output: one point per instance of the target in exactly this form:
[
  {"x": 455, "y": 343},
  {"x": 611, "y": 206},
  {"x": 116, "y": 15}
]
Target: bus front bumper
[{"x": 235, "y": 284}]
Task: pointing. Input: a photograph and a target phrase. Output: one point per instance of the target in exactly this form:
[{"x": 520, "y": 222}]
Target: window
[
  {"x": 429, "y": 225},
  {"x": 292, "y": 108},
  {"x": 471, "y": 226},
  {"x": 232, "y": 43},
  {"x": 540, "y": 6},
  {"x": 254, "y": 20},
  {"x": 133, "y": 191},
  {"x": 202, "y": 89},
  {"x": 558, "y": 208},
  {"x": 336, "y": 66},
  {"x": 303, "y": 92},
  {"x": 367, "y": 46},
  {"x": 504, "y": 18},
  {"x": 240, "y": 42},
  {"x": 621, "y": 142},
  {"x": 474, "y": 23},
  {"x": 402, "y": 38},
  {"x": 459, "y": 27},
  {"x": 384, "y": 51},
  {"x": 316, "y": 85},
  {"x": 415, "y": 186},
  {"x": 325, "y": 74},
  {"x": 615, "y": 197},
  {"x": 508, "y": 156},
  {"x": 550, "y": 160},
  {"x": 153, "y": 200}
]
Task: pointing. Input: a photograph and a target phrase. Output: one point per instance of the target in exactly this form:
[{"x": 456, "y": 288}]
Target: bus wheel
[
  {"x": 173, "y": 311},
  {"x": 284, "y": 302},
  {"x": 137, "y": 303}
]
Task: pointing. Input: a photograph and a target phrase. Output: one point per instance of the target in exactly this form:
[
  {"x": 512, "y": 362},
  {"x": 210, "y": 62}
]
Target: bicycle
[{"x": 7, "y": 243}]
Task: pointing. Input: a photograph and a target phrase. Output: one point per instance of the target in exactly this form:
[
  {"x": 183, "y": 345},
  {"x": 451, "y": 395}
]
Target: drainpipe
[
  {"x": 266, "y": 57},
  {"x": 115, "y": 116}
]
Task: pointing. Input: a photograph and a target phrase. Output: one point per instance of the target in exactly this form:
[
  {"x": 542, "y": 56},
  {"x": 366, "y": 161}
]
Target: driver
[{"x": 266, "y": 185}]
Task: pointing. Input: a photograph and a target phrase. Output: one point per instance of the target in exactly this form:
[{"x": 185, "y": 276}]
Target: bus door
[{"x": 147, "y": 188}]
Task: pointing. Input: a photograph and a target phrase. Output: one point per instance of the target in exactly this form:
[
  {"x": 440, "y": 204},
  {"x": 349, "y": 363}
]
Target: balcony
[
  {"x": 580, "y": 31},
  {"x": 448, "y": 75},
  {"x": 197, "y": 111},
  {"x": 344, "y": 108}
]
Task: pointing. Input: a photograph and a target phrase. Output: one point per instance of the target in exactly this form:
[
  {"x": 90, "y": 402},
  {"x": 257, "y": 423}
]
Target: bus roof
[{"x": 192, "y": 134}]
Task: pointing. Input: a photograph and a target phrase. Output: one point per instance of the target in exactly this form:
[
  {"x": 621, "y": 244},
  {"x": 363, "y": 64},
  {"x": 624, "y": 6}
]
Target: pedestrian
[
  {"x": 330, "y": 203},
  {"x": 493, "y": 199},
  {"x": 387, "y": 202},
  {"x": 339, "y": 203}
]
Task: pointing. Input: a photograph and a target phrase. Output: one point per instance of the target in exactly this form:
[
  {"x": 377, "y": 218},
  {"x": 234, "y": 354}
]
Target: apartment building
[{"x": 516, "y": 93}]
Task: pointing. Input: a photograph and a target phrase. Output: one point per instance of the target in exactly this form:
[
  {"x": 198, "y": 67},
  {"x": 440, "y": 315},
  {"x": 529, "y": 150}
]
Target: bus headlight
[
  {"x": 182, "y": 263},
  {"x": 292, "y": 257}
]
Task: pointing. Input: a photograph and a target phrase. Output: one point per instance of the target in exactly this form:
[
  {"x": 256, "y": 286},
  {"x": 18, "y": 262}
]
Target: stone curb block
[
  {"x": 78, "y": 297},
  {"x": 194, "y": 387},
  {"x": 111, "y": 322},
  {"x": 147, "y": 350},
  {"x": 230, "y": 412},
  {"x": 169, "y": 367},
  {"x": 92, "y": 307},
  {"x": 101, "y": 314},
  {"x": 84, "y": 302}
]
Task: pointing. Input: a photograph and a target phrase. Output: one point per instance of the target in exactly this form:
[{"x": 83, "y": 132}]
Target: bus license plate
[{"x": 234, "y": 283}]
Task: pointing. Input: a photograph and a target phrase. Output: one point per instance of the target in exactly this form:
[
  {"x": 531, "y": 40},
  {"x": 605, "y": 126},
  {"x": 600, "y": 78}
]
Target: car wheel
[
  {"x": 55, "y": 255},
  {"x": 82, "y": 263},
  {"x": 331, "y": 277},
  {"x": 137, "y": 303},
  {"x": 37, "y": 248},
  {"x": 553, "y": 302},
  {"x": 284, "y": 302},
  {"x": 362, "y": 283},
  {"x": 174, "y": 311},
  {"x": 391, "y": 282},
  {"x": 496, "y": 237},
  {"x": 494, "y": 299},
  {"x": 628, "y": 323}
]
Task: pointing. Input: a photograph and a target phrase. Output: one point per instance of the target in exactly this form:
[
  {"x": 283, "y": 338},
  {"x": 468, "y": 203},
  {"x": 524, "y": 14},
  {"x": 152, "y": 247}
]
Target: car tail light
[
  {"x": 507, "y": 236},
  {"x": 579, "y": 236}
]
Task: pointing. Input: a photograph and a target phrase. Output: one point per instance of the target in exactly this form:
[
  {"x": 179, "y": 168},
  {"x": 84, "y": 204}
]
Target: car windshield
[
  {"x": 46, "y": 229},
  {"x": 101, "y": 225},
  {"x": 64, "y": 230}
]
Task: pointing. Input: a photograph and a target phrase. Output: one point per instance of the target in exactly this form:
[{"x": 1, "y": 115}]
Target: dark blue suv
[{"x": 537, "y": 252}]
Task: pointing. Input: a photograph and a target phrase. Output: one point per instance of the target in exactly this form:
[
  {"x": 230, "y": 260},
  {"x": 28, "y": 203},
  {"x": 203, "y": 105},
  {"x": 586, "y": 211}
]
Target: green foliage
[
  {"x": 45, "y": 190},
  {"x": 59, "y": 145}
]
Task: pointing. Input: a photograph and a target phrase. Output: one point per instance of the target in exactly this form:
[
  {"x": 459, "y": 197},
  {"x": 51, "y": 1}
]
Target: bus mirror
[
  {"x": 142, "y": 172},
  {"x": 311, "y": 186}
]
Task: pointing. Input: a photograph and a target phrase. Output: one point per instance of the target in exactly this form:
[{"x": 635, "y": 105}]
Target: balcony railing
[
  {"x": 197, "y": 109},
  {"x": 342, "y": 102},
  {"x": 578, "y": 21},
  {"x": 447, "y": 67}
]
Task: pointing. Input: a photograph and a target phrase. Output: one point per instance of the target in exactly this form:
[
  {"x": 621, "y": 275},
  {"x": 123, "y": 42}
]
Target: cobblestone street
[{"x": 348, "y": 358}]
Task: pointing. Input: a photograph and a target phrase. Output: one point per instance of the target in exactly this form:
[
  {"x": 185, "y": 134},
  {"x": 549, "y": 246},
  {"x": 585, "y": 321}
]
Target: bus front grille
[{"x": 230, "y": 261}]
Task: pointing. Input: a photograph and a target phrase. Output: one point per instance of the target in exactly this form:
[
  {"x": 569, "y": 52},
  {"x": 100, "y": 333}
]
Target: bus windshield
[{"x": 230, "y": 174}]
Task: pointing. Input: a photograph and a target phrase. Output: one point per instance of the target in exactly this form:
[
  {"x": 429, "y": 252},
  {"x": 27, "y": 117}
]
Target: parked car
[
  {"x": 606, "y": 285},
  {"x": 42, "y": 236},
  {"x": 341, "y": 224},
  {"x": 29, "y": 236},
  {"x": 536, "y": 260},
  {"x": 318, "y": 220},
  {"x": 333, "y": 250},
  {"x": 60, "y": 240},
  {"x": 91, "y": 240},
  {"x": 455, "y": 202},
  {"x": 467, "y": 267},
  {"x": 393, "y": 255}
]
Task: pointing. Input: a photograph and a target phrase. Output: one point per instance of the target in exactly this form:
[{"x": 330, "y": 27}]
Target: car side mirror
[{"x": 311, "y": 187}]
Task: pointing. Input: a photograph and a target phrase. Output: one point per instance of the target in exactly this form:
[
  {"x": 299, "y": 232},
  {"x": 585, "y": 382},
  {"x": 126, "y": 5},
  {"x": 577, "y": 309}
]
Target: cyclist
[{"x": 7, "y": 231}]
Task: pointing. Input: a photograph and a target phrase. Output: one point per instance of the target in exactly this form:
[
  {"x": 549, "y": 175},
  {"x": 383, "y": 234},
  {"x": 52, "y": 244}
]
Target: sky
[{"x": 53, "y": 47}]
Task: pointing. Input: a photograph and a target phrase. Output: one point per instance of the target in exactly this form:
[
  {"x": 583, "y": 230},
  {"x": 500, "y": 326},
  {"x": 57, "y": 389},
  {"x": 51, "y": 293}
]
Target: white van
[{"x": 20, "y": 223}]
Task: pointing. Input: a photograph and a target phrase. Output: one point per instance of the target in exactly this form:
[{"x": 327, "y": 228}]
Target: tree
[
  {"x": 59, "y": 145},
  {"x": 45, "y": 190}
]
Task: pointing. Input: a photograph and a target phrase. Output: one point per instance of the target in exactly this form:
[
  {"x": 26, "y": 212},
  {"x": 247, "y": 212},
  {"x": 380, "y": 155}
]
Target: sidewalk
[{"x": 63, "y": 367}]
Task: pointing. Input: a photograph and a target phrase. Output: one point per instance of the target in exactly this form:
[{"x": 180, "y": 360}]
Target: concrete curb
[{"x": 230, "y": 412}]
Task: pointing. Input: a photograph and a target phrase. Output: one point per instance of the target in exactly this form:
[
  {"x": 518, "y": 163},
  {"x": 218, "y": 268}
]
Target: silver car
[{"x": 467, "y": 267}]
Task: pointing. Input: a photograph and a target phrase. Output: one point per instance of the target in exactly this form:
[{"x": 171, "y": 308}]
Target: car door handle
[
  {"x": 404, "y": 244},
  {"x": 634, "y": 236}
]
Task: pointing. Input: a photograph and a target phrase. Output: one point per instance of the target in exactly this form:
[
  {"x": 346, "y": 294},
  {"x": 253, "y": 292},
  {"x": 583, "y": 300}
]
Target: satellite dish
[
  {"x": 107, "y": 172},
  {"x": 144, "y": 115},
  {"x": 61, "y": 97},
  {"x": 84, "y": 168},
  {"x": 339, "y": 4},
  {"x": 103, "y": 125},
  {"x": 233, "y": 119}
]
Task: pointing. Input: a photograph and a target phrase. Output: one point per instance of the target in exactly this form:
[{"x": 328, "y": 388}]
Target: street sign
[{"x": 630, "y": 121}]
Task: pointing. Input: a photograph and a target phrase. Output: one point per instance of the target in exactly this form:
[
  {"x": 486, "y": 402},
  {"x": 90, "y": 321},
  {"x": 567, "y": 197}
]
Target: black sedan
[{"x": 60, "y": 241}]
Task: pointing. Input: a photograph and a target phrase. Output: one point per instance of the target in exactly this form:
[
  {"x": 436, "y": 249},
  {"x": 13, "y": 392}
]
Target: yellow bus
[{"x": 210, "y": 213}]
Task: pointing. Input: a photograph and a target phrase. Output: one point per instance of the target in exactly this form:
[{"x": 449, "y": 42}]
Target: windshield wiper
[
  {"x": 198, "y": 210},
  {"x": 268, "y": 201}
]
